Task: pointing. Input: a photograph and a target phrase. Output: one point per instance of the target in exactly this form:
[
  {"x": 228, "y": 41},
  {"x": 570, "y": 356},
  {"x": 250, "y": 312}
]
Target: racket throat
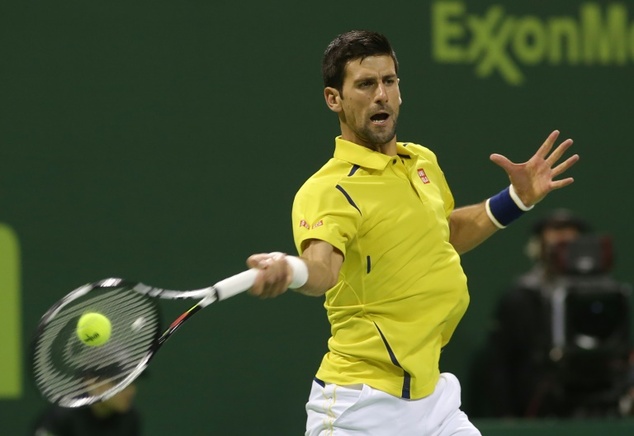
[
  {"x": 211, "y": 297},
  {"x": 178, "y": 322}
]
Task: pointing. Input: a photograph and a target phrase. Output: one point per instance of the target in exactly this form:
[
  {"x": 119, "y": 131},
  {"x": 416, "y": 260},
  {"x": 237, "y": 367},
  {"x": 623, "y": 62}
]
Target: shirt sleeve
[{"x": 324, "y": 213}]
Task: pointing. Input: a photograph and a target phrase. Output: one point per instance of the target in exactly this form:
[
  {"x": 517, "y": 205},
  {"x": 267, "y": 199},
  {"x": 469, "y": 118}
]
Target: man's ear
[{"x": 333, "y": 99}]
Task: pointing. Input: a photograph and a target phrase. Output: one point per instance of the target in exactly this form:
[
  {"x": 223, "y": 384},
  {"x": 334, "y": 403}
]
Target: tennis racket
[{"x": 70, "y": 373}]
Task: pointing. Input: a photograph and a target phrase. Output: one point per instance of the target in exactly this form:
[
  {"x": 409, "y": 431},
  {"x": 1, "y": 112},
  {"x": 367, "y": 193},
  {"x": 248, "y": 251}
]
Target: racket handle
[
  {"x": 236, "y": 284},
  {"x": 241, "y": 282}
]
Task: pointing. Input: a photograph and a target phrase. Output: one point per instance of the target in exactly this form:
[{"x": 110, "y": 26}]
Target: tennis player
[{"x": 378, "y": 232}]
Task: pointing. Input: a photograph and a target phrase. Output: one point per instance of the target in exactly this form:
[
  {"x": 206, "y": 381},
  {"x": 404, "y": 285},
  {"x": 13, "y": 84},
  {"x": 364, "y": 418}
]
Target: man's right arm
[{"x": 322, "y": 260}]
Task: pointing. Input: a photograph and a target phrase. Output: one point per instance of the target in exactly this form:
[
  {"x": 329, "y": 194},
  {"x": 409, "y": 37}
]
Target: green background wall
[{"x": 163, "y": 142}]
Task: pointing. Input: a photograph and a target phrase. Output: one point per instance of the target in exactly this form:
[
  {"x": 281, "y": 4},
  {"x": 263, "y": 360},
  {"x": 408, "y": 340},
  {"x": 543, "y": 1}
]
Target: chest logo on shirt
[{"x": 422, "y": 175}]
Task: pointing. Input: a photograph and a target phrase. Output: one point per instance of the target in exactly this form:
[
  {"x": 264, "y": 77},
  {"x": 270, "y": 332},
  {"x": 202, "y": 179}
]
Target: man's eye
[{"x": 365, "y": 84}]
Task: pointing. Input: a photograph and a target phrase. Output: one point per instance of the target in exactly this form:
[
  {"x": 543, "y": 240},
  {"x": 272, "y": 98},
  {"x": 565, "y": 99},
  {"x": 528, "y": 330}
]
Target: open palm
[{"x": 535, "y": 178}]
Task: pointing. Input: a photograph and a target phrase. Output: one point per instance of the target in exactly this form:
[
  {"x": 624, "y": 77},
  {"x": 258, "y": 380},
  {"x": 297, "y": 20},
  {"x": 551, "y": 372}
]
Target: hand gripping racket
[{"x": 72, "y": 374}]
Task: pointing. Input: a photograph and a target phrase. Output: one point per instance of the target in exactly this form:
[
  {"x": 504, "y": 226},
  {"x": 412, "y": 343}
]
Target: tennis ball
[{"x": 93, "y": 329}]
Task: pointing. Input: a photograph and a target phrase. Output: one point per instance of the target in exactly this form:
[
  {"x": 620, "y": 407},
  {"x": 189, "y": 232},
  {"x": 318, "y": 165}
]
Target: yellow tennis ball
[{"x": 93, "y": 329}]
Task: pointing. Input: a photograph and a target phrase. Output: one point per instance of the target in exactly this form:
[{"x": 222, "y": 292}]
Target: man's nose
[{"x": 381, "y": 92}]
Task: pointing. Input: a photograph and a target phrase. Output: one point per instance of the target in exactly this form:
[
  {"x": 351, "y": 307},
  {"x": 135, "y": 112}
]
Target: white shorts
[{"x": 360, "y": 410}]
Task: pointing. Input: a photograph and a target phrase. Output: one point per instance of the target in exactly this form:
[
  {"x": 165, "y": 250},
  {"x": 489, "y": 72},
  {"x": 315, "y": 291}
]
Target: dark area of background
[{"x": 164, "y": 141}]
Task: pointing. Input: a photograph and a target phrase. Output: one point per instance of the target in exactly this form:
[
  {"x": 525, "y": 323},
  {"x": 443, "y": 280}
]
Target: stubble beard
[{"x": 377, "y": 139}]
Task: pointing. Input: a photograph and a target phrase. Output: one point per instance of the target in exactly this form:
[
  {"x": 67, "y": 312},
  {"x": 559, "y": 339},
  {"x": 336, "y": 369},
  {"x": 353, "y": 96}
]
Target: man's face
[
  {"x": 555, "y": 236},
  {"x": 370, "y": 101}
]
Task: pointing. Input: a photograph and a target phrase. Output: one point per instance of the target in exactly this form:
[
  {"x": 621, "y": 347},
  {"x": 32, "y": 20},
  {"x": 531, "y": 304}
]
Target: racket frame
[{"x": 222, "y": 290}]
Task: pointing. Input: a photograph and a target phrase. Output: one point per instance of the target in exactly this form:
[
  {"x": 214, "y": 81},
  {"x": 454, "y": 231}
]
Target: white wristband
[
  {"x": 518, "y": 200},
  {"x": 300, "y": 272}
]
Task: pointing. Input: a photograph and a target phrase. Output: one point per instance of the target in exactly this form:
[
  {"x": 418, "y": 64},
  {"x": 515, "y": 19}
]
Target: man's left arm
[
  {"x": 469, "y": 226},
  {"x": 531, "y": 181}
]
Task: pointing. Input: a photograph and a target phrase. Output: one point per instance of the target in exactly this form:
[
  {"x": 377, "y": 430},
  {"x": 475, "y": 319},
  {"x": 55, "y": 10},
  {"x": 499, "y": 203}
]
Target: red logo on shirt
[
  {"x": 303, "y": 223},
  {"x": 318, "y": 224},
  {"x": 423, "y": 176}
]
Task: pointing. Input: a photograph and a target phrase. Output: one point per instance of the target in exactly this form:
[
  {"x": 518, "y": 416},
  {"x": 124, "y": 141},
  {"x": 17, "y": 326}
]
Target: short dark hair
[{"x": 352, "y": 45}]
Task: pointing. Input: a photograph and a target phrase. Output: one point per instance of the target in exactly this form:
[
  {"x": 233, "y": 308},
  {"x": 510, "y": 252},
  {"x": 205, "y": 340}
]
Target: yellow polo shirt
[{"x": 401, "y": 290}]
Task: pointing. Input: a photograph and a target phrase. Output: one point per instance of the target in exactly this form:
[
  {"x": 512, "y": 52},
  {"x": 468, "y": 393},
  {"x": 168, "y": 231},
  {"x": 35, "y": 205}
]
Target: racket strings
[{"x": 67, "y": 371}]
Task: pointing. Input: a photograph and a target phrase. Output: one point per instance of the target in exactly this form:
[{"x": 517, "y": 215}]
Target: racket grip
[
  {"x": 236, "y": 284},
  {"x": 241, "y": 282}
]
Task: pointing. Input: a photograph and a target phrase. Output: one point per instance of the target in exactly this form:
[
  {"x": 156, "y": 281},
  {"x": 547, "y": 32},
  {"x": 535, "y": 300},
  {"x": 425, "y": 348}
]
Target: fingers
[
  {"x": 558, "y": 152},
  {"x": 547, "y": 145},
  {"x": 562, "y": 168},
  {"x": 255, "y": 260},
  {"x": 565, "y": 165},
  {"x": 543, "y": 154},
  {"x": 274, "y": 275},
  {"x": 501, "y": 161},
  {"x": 558, "y": 184}
]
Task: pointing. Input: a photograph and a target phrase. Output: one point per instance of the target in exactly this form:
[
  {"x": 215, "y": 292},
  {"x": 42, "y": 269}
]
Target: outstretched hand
[{"x": 535, "y": 178}]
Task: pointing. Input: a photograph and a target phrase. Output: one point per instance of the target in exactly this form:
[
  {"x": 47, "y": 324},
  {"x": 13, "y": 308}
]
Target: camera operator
[{"x": 546, "y": 355}]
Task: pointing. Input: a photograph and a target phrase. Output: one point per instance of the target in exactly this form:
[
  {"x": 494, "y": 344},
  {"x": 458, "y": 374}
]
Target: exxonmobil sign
[{"x": 499, "y": 42}]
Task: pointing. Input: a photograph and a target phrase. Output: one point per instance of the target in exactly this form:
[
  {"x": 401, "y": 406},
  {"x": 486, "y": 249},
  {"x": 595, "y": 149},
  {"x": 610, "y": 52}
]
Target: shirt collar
[{"x": 364, "y": 157}]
